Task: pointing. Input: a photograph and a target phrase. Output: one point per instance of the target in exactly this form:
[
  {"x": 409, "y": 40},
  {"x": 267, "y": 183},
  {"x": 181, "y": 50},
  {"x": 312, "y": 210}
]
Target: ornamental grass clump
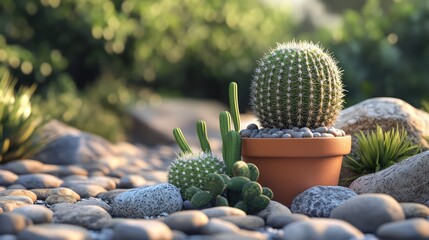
[
  {"x": 380, "y": 149},
  {"x": 297, "y": 84},
  {"x": 18, "y": 123}
]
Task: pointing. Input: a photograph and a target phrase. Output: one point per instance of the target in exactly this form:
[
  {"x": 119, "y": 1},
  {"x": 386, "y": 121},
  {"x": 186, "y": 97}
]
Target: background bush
[{"x": 74, "y": 50}]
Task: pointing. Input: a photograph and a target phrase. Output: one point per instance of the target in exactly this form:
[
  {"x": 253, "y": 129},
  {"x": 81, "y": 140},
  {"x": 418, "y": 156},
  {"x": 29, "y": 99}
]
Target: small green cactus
[
  {"x": 254, "y": 172},
  {"x": 297, "y": 84},
  {"x": 201, "y": 199},
  {"x": 181, "y": 141},
  {"x": 201, "y": 127},
  {"x": 192, "y": 168}
]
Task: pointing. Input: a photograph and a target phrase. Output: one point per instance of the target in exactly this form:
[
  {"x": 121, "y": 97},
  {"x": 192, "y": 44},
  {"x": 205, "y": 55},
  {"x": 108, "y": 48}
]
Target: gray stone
[
  {"x": 416, "y": 229},
  {"x": 321, "y": 130},
  {"x": 54, "y": 199},
  {"x": 327, "y": 135},
  {"x": 387, "y": 113},
  {"x": 23, "y": 199},
  {"x": 87, "y": 190},
  {"x": 147, "y": 201},
  {"x": 131, "y": 181},
  {"x": 316, "y": 134},
  {"x": 273, "y": 208},
  {"x": 94, "y": 202},
  {"x": 39, "y": 180},
  {"x": 369, "y": 211},
  {"x": 319, "y": 201},
  {"x": 19, "y": 192},
  {"x": 102, "y": 181},
  {"x": 218, "y": 226},
  {"x": 62, "y": 206},
  {"x": 297, "y": 134},
  {"x": 54, "y": 232},
  {"x": 7, "y": 237},
  {"x": 321, "y": 229},
  {"x": 9, "y": 203},
  {"x": 286, "y": 135},
  {"x": 415, "y": 210},
  {"x": 7, "y": 178},
  {"x": 178, "y": 235},
  {"x": 91, "y": 217},
  {"x": 252, "y": 126},
  {"x": 246, "y": 222},
  {"x": 37, "y": 213},
  {"x": 280, "y": 221},
  {"x": 141, "y": 229},
  {"x": 16, "y": 186},
  {"x": 25, "y": 166},
  {"x": 307, "y": 135},
  {"x": 12, "y": 223},
  {"x": 406, "y": 181},
  {"x": 186, "y": 221},
  {"x": 64, "y": 171},
  {"x": 245, "y": 133},
  {"x": 110, "y": 195},
  {"x": 223, "y": 211},
  {"x": 44, "y": 193}
]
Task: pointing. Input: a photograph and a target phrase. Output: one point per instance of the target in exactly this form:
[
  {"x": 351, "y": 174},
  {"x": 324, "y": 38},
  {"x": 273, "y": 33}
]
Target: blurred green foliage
[
  {"x": 384, "y": 50},
  {"x": 73, "y": 49}
]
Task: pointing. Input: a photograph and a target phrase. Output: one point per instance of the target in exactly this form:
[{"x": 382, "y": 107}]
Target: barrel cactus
[
  {"x": 191, "y": 169},
  {"x": 297, "y": 84}
]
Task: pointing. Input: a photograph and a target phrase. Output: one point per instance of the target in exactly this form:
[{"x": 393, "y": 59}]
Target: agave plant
[
  {"x": 17, "y": 122},
  {"x": 380, "y": 149}
]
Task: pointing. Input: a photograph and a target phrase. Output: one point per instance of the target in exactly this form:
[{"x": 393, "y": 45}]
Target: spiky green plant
[
  {"x": 380, "y": 149},
  {"x": 18, "y": 123},
  {"x": 297, "y": 84}
]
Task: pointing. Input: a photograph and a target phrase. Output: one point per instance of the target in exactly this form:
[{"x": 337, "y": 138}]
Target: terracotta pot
[{"x": 290, "y": 166}]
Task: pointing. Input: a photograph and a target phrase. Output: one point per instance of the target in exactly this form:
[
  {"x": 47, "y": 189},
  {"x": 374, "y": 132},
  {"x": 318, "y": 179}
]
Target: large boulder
[
  {"x": 406, "y": 181},
  {"x": 387, "y": 113}
]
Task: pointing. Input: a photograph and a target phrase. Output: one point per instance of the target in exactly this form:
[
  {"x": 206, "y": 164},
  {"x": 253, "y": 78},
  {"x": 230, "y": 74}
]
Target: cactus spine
[{"x": 297, "y": 84}]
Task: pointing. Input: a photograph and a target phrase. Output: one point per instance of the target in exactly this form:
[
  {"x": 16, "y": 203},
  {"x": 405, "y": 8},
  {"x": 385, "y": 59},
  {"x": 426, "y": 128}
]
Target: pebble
[
  {"x": 16, "y": 186},
  {"x": 242, "y": 235},
  {"x": 62, "y": 206},
  {"x": 147, "y": 201},
  {"x": 141, "y": 229},
  {"x": 223, "y": 211},
  {"x": 369, "y": 211},
  {"x": 218, "y": 226},
  {"x": 295, "y": 132},
  {"x": 131, "y": 181},
  {"x": 94, "y": 202},
  {"x": 321, "y": 229},
  {"x": 54, "y": 232},
  {"x": 110, "y": 195},
  {"x": 319, "y": 201},
  {"x": 403, "y": 230},
  {"x": 19, "y": 192},
  {"x": 87, "y": 190},
  {"x": 12, "y": 223},
  {"x": 246, "y": 222},
  {"x": 64, "y": 171},
  {"x": 44, "y": 193},
  {"x": 91, "y": 217},
  {"x": 7, "y": 178},
  {"x": 104, "y": 182},
  {"x": 415, "y": 210},
  {"x": 273, "y": 208},
  {"x": 39, "y": 180},
  {"x": 252, "y": 126},
  {"x": 186, "y": 221},
  {"x": 37, "y": 213},
  {"x": 54, "y": 199},
  {"x": 7, "y": 237},
  {"x": 25, "y": 166},
  {"x": 282, "y": 220}
]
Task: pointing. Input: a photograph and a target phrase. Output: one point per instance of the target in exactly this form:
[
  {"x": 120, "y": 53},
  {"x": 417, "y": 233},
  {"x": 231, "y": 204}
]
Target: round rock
[
  {"x": 186, "y": 221},
  {"x": 93, "y": 202},
  {"x": 24, "y": 166},
  {"x": 54, "y": 232},
  {"x": 280, "y": 221},
  {"x": 321, "y": 229},
  {"x": 37, "y": 213},
  {"x": 246, "y": 222},
  {"x": 319, "y": 201},
  {"x": 131, "y": 181},
  {"x": 273, "y": 208},
  {"x": 110, "y": 195},
  {"x": 147, "y": 201},
  {"x": 19, "y": 192},
  {"x": 39, "y": 180},
  {"x": 223, "y": 211},
  {"x": 44, "y": 193},
  {"x": 54, "y": 199},
  {"x": 141, "y": 229},
  {"x": 218, "y": 226},
  {"x": 90, "y": 217},
  {"x": 12, "y": 223},
  {"x": 87, "y": 190},
  {"x": 369, "y": 211},
  {"x": 7, "y": 178},
  {"x": 415, "y": 210},
  {"x": 415, "y": 229}
]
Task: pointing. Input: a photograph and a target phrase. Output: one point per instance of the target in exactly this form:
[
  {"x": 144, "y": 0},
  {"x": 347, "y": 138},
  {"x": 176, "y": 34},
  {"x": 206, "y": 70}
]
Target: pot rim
[{"x": 296, "y": 147}]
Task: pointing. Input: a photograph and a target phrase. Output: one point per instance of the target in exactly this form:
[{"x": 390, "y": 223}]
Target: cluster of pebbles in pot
[{"x": 253, "y": 131}]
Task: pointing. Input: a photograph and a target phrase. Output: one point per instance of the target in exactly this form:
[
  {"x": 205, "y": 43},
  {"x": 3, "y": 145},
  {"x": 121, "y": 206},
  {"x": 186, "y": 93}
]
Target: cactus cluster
[
  {"x": 297, "y": 84},
  {"x": 209, "y": 186},
  {"x": 241, "y": 190}
]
